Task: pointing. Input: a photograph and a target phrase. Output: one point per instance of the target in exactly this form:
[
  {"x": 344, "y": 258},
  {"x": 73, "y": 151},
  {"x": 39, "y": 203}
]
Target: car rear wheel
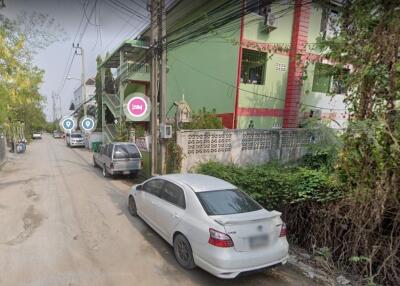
[
  {"x": 183, "y": 252},
  {"x": 132, "y": 206}
]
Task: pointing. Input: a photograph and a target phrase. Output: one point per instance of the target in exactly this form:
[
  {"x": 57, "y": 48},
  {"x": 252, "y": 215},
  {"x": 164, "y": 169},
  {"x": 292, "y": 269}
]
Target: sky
[{"x": 109, "y": 26}]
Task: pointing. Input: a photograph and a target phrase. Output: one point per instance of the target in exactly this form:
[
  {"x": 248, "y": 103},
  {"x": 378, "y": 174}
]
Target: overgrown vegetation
[
  {"x": 366, "y": 223},
  {"x": 276, "y": 186},
  {"x": 204, "y": 119},
  {"x": 174, "y": 157}
]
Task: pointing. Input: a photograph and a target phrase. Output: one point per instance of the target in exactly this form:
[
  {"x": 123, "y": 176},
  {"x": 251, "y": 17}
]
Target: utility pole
[
  {"x": 53, "y": 97},
  {"x": 59, "y": 102},
  {"x": 82, "y": 54},
  {"x": 163, "y": 77},
  {"x": 154, "y": 84}
]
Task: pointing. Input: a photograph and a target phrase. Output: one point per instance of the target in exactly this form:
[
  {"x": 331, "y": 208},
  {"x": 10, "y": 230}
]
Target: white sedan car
[{"x": 211, "y": 224}]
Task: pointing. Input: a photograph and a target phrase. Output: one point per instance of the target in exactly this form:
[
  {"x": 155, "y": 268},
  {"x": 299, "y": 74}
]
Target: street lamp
[{"x": 69, "y": 78}]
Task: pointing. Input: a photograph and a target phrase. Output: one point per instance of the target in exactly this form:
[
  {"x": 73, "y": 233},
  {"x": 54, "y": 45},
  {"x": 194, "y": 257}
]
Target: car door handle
[{"x": 176, "y": 215}]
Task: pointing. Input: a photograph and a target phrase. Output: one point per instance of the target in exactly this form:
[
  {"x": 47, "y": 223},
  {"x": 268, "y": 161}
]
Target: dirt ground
[{"x": 62, "y": 223}]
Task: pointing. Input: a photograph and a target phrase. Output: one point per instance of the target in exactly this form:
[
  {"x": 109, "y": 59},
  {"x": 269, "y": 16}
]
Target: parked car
[
  {"x": 37, "y": 135},
  {"x": 118, "y": 158},
  {"x": 211, "y": 224},
  {"x": 57, "y": 134},
  {"x": 75, "y": 139}
]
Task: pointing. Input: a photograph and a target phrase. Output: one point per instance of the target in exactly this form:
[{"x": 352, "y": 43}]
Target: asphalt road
[{"x": 62, "y": 223}]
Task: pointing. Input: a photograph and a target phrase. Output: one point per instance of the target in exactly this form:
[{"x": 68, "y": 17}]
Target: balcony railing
[{"x": 127, "y": 70}]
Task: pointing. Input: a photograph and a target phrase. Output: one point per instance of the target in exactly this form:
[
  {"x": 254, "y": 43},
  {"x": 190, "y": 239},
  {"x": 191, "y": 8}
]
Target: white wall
[{"x": 243, "y": 146}]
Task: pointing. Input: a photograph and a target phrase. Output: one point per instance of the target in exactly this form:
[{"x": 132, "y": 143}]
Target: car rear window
[
  {"x": 225, "y": 202},
  {"x": 126, "y": 151},
  {"x": 76, "y": 136}
]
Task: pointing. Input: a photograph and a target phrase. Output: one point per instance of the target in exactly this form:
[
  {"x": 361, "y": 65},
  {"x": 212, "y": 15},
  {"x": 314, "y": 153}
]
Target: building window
[
  {"x": 330, "y": 23},
  {"x": 253, "y": 67},
  {"x": 327, "y": 79},
  {"x": 322, "y": 78}
]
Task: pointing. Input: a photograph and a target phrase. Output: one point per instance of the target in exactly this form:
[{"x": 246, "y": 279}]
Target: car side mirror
[{"x": 139, "y": 188}]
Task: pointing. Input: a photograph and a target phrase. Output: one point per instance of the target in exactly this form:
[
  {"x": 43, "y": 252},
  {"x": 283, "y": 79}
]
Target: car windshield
[
  {"x": 225, "y": 202},
  {"x": 126, "y": 151},
  {"x": 76, "y": 136}
]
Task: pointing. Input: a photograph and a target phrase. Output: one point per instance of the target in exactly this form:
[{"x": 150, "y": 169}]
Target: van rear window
[{"x": 126, "y": 151}]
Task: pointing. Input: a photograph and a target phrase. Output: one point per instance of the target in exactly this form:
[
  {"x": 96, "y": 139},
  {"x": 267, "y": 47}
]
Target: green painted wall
[
  {"x": 134, "y": 87},
  {"x": 314, "y": 30},
  {"x": 259, "y": 122},
  {"x": 254, "y": 26},
  {"x": 205, "y": 71},
  {"x": 261, "y": 96}
]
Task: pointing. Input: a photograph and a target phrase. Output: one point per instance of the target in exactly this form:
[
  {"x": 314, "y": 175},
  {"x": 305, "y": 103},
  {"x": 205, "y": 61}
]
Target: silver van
[{"x": 118, "y": 158}]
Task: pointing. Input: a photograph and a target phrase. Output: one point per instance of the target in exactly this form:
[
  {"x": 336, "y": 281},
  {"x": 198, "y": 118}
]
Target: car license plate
[
  {"x": 126, "y": 172},
  {"x": 258, "y": 241}
]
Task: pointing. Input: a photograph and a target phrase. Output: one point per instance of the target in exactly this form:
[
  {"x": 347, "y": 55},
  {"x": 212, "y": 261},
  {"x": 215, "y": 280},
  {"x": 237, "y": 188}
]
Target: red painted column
[{"x": 297, "y": 60}]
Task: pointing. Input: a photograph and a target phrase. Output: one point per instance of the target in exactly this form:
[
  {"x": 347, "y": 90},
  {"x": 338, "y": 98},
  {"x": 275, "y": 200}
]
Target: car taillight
[
  {"x": 283, "y": 230},
  {"x": 219, "y": 239},
  {"x": 111, "y": 165}
]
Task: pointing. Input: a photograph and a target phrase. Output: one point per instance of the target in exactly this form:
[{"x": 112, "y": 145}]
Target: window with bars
[
  {"x": 328, "y": 79},
  {"x": 253, "y": 67}
]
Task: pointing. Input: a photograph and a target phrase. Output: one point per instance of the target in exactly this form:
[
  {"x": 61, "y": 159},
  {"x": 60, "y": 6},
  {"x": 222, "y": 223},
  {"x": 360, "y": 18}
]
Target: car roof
[
  {"x": 199, "y": 182},
  {"x": 120, "y": 143}
]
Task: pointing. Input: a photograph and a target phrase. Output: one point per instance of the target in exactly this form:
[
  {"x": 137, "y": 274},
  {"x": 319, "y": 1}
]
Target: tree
[
  {"x": 20, "y": 100},
  {"x": 98, "y": 94},
  {"x": 368, "y": 43}
]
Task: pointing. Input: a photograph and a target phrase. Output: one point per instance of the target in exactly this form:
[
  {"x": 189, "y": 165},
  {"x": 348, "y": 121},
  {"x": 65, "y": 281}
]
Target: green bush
[{"x": 275, "y": 186}]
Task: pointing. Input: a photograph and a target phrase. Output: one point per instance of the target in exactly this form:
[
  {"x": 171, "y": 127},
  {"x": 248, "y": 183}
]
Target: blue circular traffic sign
[
  {"x": 68, "y": 124},
  {"x": 87, "y": 124}
]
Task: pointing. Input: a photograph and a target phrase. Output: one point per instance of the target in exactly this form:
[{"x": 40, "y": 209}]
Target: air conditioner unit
[
  {"x": 315, "y": 113},
  {"x": 269, "y": 22}
]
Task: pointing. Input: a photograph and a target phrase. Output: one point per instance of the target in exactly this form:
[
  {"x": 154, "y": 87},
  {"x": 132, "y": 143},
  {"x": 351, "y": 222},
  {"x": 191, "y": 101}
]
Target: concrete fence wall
[
  {"x": 243, "y": 146},
  {"x": 3, "y": 149}
]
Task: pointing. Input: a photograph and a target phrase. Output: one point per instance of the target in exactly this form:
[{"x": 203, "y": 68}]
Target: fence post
[{"x": 280, "y": 144}]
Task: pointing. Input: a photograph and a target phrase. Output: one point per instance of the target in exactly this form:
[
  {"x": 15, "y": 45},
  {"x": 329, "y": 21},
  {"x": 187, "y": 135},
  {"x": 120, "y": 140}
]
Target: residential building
[
  {"x": 90, "y": 92},
  {"x": 255, "y": 63}
]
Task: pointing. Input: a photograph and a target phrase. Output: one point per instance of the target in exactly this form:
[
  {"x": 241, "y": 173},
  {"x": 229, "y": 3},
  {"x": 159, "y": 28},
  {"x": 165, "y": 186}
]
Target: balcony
[{"x": 133, "y": 71}]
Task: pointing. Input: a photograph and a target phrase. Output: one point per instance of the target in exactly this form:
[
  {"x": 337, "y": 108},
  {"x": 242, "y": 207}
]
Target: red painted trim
[
  {"x": 239, "y": 69},
  {"x": 265, "y": 47},
  {"x": 298, "y": 47},
  {"x": 272, "y": 112},
  {"x": 227, "y": 119}
]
